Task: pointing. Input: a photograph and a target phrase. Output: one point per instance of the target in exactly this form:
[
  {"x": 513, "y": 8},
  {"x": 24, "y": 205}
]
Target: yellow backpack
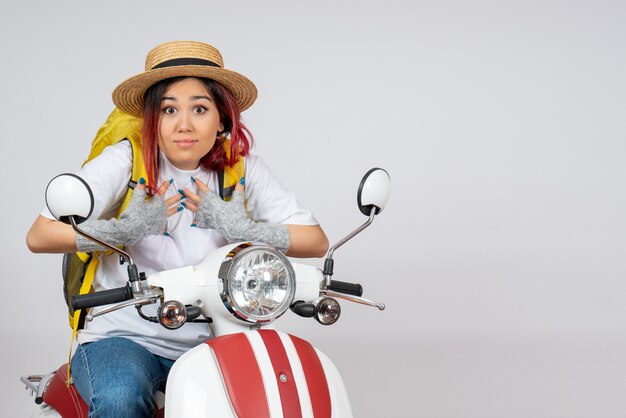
[{"x": 79, "y": 268}]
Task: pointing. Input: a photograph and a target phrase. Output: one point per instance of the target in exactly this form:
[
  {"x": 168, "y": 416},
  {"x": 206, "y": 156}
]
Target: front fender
[{"x": 255, "y": 374}]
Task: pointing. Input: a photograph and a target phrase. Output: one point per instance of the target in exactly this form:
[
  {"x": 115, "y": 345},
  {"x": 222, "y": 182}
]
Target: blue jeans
[{"x": 117, "y": 377}]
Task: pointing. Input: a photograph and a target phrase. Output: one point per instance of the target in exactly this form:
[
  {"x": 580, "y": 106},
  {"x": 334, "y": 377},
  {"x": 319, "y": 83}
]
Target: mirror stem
[
  {"x": 328, "y": 263},
  {"x": 96, "y": 240},
  {"x": 133, "y": 274}
]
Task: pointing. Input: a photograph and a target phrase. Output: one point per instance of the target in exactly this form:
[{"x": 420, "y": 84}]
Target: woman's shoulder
[
  {"x": 117, "y": 156},
  {"x": 259, "y": 175},
  {"x": 253, "y": 162},
  {"x": 122, "y": 150},
  {"x": 108, "y": 174}
]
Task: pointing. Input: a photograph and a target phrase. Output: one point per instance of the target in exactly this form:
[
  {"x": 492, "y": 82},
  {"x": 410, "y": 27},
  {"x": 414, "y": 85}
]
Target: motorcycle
[{"x": 249, "y": 369}]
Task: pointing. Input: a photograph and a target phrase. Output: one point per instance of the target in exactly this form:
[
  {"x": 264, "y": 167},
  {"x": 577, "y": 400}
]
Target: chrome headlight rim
[{"x": 224, "y": 275}]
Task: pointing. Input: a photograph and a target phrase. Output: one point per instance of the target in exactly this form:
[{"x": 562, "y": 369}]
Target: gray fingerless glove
[
  {"x": 232, "y": 221},
  {"x": 141, "y": 218}
]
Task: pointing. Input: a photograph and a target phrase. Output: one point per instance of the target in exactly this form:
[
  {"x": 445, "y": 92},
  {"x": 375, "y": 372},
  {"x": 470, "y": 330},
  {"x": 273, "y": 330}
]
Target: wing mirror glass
[
  {"x": 374, "y": 191},
  {"x": 69, "y": 195}
]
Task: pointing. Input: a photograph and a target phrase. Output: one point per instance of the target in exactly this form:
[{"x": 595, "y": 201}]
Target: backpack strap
[
  {"x": 78, "y": 319},
  {"x": 138, "y": 171},
  {"x": 230, "y": 176}
]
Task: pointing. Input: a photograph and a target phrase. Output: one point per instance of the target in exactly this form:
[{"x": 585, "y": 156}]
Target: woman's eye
[
  {"x": 199, "y": 109},
  {"x": 168, "y": 110}
]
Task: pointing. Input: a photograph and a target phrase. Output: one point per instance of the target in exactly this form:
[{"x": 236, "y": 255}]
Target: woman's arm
[
  {"x": 107, "y": 175},
  {"x": 141, "y": 218},
  {"x": 51, "y": 236},
  {"x": 307, "y": 241}
]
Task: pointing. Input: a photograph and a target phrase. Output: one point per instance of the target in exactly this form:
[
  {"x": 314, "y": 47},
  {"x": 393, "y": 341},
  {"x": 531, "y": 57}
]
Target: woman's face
[{"x": 188, "y": 124}]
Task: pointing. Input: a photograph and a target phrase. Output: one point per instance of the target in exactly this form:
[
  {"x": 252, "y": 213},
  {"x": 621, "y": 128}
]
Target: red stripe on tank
[
  {"x": 280, "y": 362},
  {"x": 315, "y": 377},
  {"x": 241, "y": 374}
]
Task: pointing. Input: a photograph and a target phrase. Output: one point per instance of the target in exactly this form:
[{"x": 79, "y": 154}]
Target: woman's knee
[
  {"x": 116, "y": 378},
  {"x": 123, "y": 400}
]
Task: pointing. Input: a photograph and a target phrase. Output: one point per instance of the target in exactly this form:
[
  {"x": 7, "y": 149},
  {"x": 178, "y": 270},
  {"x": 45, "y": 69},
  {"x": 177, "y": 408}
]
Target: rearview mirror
[
  {"x": 69, "y": 195},
  {"x": 372, "y": 198},
  {"x": 374, "y": 191}
]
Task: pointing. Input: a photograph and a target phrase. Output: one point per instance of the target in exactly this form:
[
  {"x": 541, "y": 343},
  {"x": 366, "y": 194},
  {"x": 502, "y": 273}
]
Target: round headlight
[{"x": 258, "y": 283}]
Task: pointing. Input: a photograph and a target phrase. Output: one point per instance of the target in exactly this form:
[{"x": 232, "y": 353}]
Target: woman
[{"x": 190, "y": 105}]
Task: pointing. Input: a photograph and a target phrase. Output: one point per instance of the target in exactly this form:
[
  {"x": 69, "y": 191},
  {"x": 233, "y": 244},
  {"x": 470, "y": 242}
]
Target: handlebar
[
  {"x": 103, "y": 297},
  {"x": 354, "y": 289}
]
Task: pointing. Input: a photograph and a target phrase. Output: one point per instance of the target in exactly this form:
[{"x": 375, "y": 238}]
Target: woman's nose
[{"x": 184, "y": 122}]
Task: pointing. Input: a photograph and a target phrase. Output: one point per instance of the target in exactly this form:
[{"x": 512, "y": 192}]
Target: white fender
[
  {"x": 255, "y": 374},
  {"x": 195, "y": 388}
]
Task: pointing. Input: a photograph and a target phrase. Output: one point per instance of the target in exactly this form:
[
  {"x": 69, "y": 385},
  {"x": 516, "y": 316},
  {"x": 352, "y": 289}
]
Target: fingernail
[
  {"x": 192, "y": 179},
  {"x": 171, "y": 180},
  {"x": 182, "y": 197},
  {"x": 183, "y": 204},
  {"x": 181, "y": 192},
  {"x": 242, "y": 181},
  {"x": 179, "y": 208},
  {"x": 166, "y": 234},
  {"x": 194, "y": 225},
  {"x": 141, "y": 180}
]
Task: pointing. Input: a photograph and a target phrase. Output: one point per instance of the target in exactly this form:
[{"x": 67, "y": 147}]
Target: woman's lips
[{"x": 185, "y": 143}]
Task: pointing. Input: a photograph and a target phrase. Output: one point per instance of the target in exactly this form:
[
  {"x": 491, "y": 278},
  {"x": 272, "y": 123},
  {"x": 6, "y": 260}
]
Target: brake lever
[
  {"x": 357, "y": 299},
  {"x": 151, "y": 296}
]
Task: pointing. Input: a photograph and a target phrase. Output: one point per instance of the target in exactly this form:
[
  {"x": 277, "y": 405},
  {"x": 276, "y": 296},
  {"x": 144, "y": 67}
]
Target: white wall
[{"x": 501, "y": 253}]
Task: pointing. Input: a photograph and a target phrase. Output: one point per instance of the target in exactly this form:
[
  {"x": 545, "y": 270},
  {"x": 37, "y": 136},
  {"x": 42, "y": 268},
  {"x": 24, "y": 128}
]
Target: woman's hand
[
  {"x": 303, "y": 240},
  {"x": 172, "y": 203},
  {"x": 194, "y": 199},
  {"x": 143, "y": 217},
  {"x": 231, "y": 219}
]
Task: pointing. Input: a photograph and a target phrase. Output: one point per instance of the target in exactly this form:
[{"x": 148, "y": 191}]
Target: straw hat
[{"x": 182, "y": 58}]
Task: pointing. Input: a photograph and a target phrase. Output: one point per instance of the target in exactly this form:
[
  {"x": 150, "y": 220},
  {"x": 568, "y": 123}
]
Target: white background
[{"x": 501, "y": 252}]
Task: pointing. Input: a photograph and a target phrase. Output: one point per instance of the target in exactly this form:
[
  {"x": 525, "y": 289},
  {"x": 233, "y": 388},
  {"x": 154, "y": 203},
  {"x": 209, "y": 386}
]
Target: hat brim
[{"x": 128, "y": 96}]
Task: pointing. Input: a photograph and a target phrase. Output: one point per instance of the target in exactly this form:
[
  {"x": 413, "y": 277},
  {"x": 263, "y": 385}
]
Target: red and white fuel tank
[{"x": 255, "y": 374}]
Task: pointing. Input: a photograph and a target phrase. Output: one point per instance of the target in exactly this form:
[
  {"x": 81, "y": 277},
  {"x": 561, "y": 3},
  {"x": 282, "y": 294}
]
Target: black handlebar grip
[
  {"x": 103, "y": 297},
  {"x": 354, "y": 289}
]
